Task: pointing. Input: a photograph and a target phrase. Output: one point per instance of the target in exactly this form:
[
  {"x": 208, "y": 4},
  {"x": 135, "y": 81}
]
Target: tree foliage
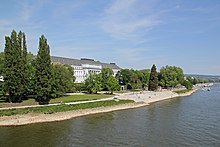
[
  {"x": 123, "y": 77},
  {"x": 153, "y": 81},
  {"x": 93, "y": 83},
  {"x": 2, "y": 58},
  {"x": 15, "y": 66},
  {"x": 63, "y": 79},
  {"x": 170, "y": 76},
  {"x": 112, "y": 84},
  {"x": 26, "y": 75},
  {"x": 43, "y": 72},
  {"x": 133, "y": 79},
  {"x": 144, "y": 76},
  {"x": 24, "y": 64},
  {"x": 106, "y": 74},
  {"x": 197, "y": 80},
  {"x": 31, "y": 89},
  {"x": 187, "y": 84}
]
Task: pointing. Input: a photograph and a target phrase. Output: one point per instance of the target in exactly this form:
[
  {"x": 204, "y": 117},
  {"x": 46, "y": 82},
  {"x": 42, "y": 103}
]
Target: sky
[{"x": 132, "y": 33}]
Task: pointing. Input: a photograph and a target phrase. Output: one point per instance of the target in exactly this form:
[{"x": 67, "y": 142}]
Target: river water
[{"x": 179, "y": 122}]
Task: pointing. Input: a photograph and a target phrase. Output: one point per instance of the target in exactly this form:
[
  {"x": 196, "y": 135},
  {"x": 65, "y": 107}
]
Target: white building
[{"x": 83, "y": 66}]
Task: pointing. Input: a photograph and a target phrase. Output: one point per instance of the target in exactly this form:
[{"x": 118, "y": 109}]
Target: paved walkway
[
  {"x": 70, "y": 103},
  {"x": 144, "y": 97}
]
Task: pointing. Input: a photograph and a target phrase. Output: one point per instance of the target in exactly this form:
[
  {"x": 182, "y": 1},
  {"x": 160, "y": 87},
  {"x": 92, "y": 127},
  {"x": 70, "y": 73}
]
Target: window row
[{"x": 95, "y": 71}]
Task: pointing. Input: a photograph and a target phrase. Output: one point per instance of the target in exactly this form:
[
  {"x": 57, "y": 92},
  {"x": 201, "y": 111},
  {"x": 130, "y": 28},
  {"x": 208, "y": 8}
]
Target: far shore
[{"x": 141, "y": 99}]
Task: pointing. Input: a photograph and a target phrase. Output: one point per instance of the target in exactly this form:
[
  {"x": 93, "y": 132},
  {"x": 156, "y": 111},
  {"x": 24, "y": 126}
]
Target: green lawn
[
  {"x": 83, "y": 97},
  {"x": 62, "y": 107},
  {"x": 182, "y": 91},
  {"x": 64, "y": 99},
  {"x": 136, "y": 90}
]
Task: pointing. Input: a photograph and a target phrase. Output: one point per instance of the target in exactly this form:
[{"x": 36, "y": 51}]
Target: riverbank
[
  {"x": 141, "y": 99},
  {"x": 149, "y": 97}
]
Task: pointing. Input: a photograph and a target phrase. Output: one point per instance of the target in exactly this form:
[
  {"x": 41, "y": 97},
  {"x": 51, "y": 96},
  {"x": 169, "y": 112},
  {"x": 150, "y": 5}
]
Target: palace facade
[{"x": 84, "y": 66}]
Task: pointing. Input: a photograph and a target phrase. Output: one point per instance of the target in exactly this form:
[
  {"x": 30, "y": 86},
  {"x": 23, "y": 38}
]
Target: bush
[{"x": 187, "y": 84}]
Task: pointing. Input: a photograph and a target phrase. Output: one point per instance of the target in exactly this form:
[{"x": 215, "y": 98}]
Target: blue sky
[{"x": 133, "y": 33}]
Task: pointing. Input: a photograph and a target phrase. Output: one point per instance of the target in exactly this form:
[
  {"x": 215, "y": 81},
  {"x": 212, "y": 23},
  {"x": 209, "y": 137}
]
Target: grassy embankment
[
  {"x": 64, "y": 99},
  {"x": 182, "y": 91},
  {"x": 83, "y": 97},
  {"x": 62, "y": 107},
  {"x": 127, "y": 91}
]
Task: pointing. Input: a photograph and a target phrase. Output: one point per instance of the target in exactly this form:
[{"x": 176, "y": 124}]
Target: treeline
[
  {"x": 167, "y": 77},
  {"x": 130, "y": 79},
  {"x": 133, "y": 79},
  {"x": 105, "y": 81},
  {"x": 26, "y": 75},
  {"x": 198, "y": 80}
]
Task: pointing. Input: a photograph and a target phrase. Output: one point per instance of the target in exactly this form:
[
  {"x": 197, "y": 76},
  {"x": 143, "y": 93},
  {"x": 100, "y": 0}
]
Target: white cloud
[{"x": 130, "y": 19}]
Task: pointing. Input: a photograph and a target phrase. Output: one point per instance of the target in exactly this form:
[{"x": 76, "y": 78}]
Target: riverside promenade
[{"x": 140, "y": 99}]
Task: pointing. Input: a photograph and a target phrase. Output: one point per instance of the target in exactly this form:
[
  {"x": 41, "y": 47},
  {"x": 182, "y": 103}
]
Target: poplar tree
[
  {"x": 24, "y": 66},
  {"x": 153, "y": 82},
  {"x": 13, "y": 67},
  {"x": 20, "y": 66},
  {"x": 8, "y": 65},
  {"x": 43, "y": 73}
]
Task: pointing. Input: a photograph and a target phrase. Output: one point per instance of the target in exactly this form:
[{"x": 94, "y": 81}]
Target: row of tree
[
  {"x": 172, "y": 76},
  {"x": 15, "y": 66},
  {"x": 196, "y": 80},
  {"x": 26, "y": 75},
  {"x": 103, "y": 81},
  {"x": 167, "y": 77},
  {"x": 133, "y": 79}
]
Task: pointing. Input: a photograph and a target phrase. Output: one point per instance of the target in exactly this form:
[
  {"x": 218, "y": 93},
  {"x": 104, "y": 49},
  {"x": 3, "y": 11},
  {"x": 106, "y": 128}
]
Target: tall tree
[
  {"x": 29, "y": 76},
  {"x": 133, "y": 79},
  {"x": 171, "y": 76},
  {"x": 93, "y": 83},
  {"x": 90, "y": 83},
  {"x": 23, "y": 63},
  {"x": 106, "y": 74},
  {"x": 187, "y": 84},
  {"x": 25, "y": 66},
  {"x": 113, "y": 84},
  {"x": 13, "y": 73},
  {"x": 153, "y": 82},
  {"x": 2, "y": 58},
  {"x": 98, "y": 82},
  {"x": 7, "y": 66},
  {"x": 125, "y": 75},
  {"x": 43, "y": 72},
  {"x": 144, "y": 77},
  {"x": 63, "y": 79}
]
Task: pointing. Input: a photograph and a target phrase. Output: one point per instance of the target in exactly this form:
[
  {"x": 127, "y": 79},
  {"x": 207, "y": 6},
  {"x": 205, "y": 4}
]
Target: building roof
[{"x": 78, "y": 62}]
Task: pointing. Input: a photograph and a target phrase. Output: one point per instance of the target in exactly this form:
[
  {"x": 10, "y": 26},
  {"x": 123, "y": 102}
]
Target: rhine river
[{"x": 179, "y": 122}]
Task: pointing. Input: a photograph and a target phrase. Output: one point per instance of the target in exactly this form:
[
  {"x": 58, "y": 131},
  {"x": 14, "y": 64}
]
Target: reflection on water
[{"x": 179, "y": 122}]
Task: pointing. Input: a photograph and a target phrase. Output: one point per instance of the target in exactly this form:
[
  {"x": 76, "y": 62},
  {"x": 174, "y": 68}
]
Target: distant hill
[{"x": 210, "y": 77}]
